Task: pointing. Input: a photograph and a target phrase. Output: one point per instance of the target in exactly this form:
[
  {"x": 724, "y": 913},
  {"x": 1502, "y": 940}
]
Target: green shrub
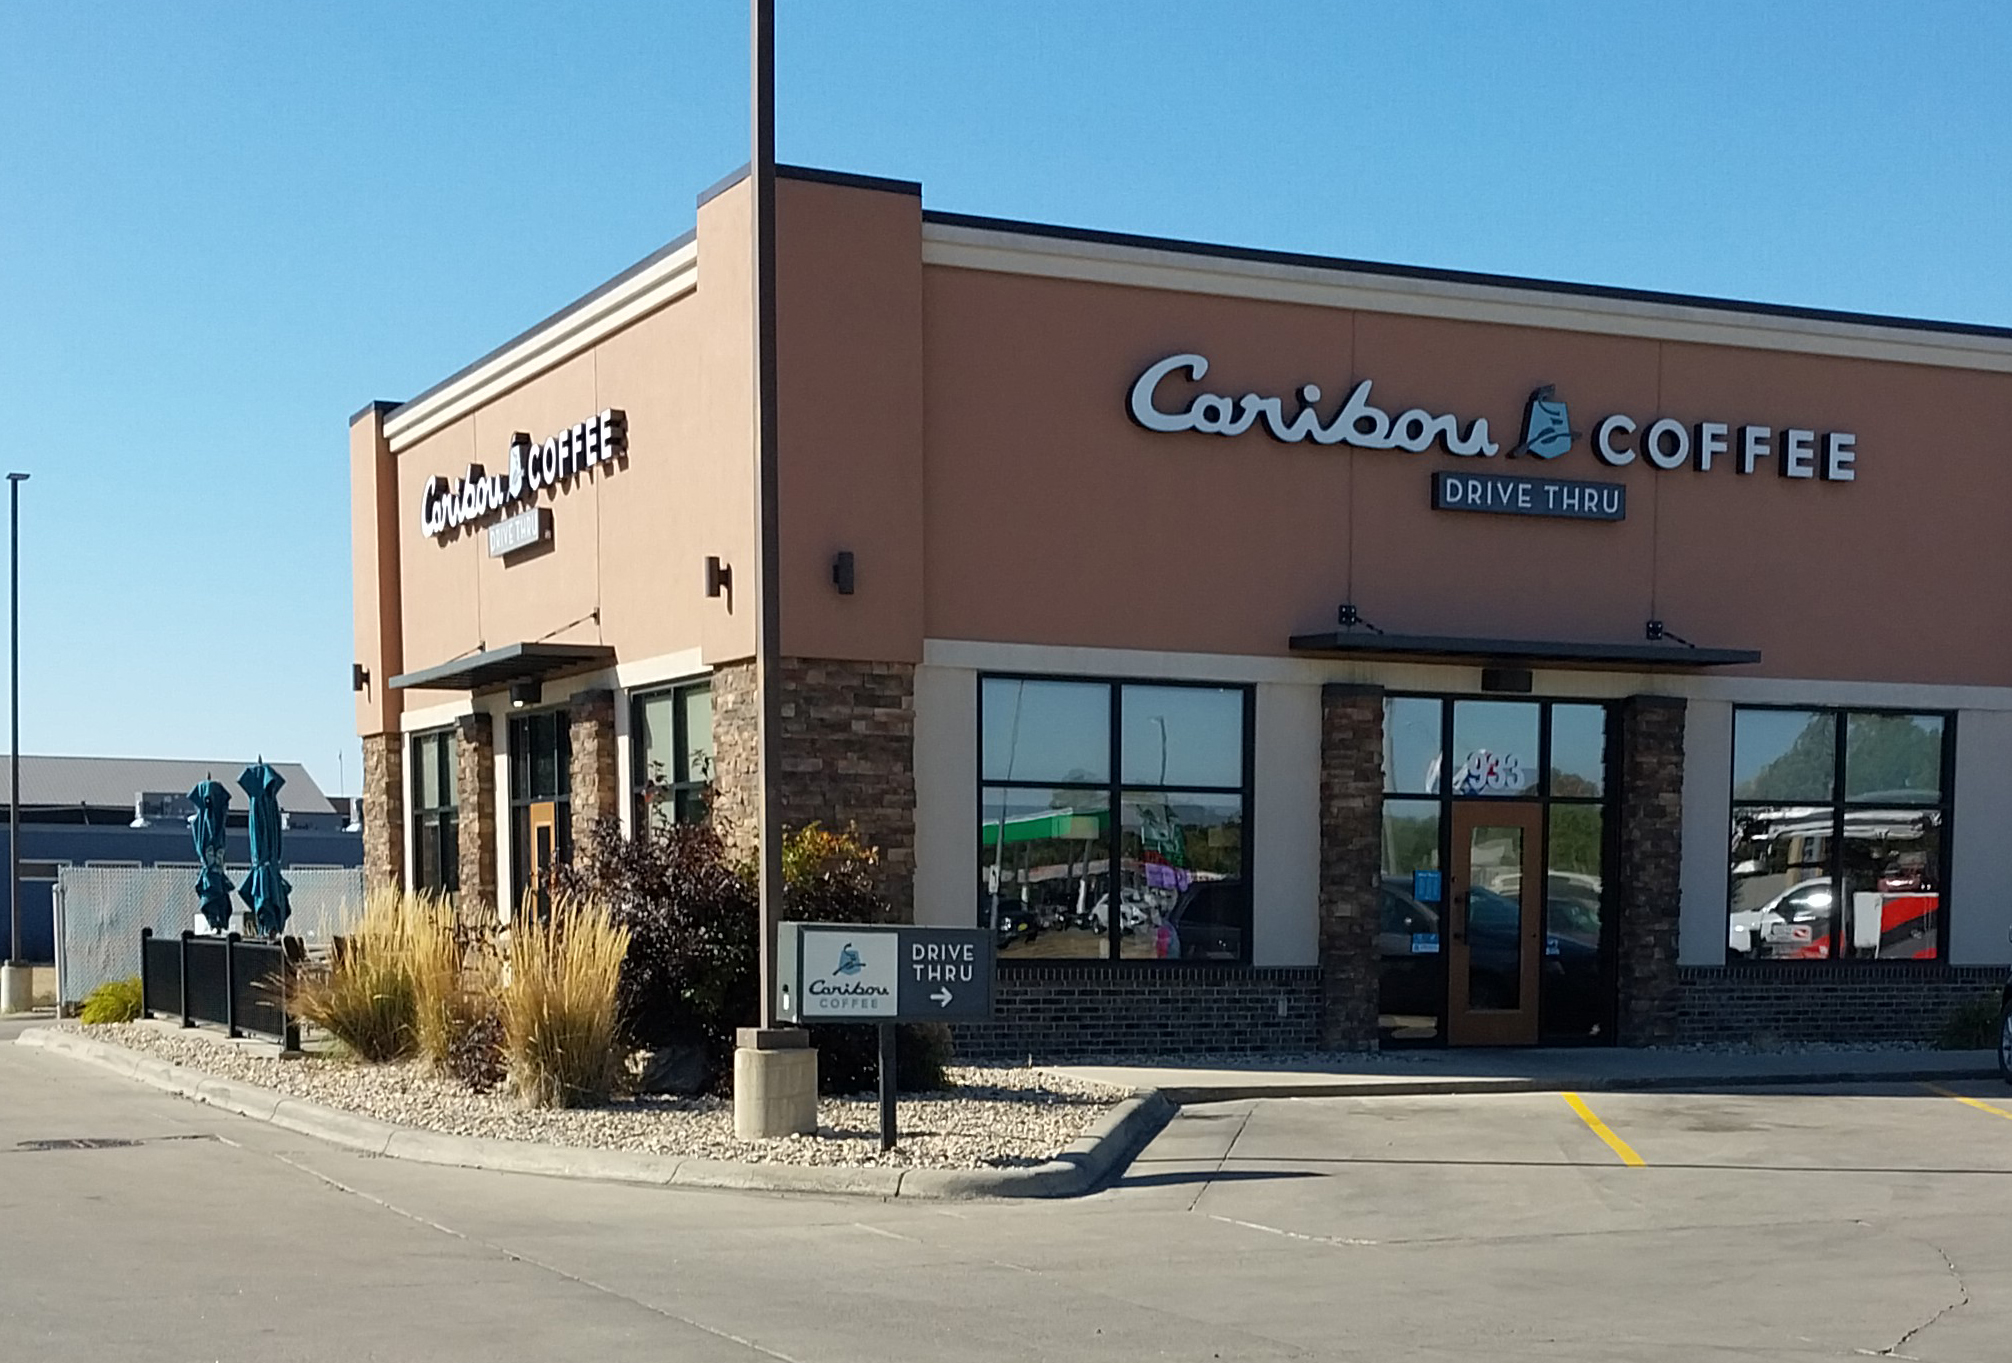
[
  {"x": 559, "y": 1005},
  {"x": 112, "y": 1001},
  {"x": 1971, "y": 1025},
  {"x": 366, "y": 997},
  {"x": 693, "y": 963}
]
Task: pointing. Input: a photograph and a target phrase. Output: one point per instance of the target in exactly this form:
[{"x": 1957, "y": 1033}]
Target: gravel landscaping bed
[{"x": 993, "y": 1117}]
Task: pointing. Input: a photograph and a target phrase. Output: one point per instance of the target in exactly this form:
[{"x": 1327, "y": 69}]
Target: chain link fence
[{"x": 101, "y": 909}]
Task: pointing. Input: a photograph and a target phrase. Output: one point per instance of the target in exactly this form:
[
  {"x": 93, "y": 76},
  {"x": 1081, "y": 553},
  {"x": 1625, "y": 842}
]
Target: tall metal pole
[
  {"x": 14, "y": 481},
  {"x": 768, "y": 612}
]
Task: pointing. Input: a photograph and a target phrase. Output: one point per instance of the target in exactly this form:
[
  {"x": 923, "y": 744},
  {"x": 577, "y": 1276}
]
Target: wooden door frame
[
  {"x": 1466, "y": 1026},
  {"x": 541, "y": 814}
]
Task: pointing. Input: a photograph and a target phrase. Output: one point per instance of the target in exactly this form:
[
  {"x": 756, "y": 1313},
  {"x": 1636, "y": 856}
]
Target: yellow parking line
[
  {"x": 1606, "y": 1133},
  {"x": 1977, "y": 1103}
]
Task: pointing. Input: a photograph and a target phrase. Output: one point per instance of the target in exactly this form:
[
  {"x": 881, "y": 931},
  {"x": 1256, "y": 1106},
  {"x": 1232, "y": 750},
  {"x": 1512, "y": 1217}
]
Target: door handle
[{"x": 1460, "y": 915}]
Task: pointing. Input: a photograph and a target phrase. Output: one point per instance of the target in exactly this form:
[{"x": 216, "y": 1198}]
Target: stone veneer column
[
  {"x": 475, "y": 787},
  {"x": 734, "y": 805},
  {"x": 1351, "y": 862},
  {"x": 383, "y": 812},
  {"x": 595, "y": 793},
  {"x": 1650, "y": 808},
  {"x": 846, "y": 758}
]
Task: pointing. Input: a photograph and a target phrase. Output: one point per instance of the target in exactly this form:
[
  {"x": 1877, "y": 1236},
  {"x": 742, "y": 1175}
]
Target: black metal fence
[{"x": 241, "y": 986}]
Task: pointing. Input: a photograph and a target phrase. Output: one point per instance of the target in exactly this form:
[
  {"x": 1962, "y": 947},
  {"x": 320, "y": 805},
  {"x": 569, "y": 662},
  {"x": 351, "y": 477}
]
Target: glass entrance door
[{"x": 1495, "y": 945}]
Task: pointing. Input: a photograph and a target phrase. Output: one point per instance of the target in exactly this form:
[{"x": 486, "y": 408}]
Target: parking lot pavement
[
  {"x": 1795, "y": 1222},
  {"x": 1805, "y": 1225}
]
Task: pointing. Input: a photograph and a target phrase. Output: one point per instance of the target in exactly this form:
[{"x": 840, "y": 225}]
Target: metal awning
[
  {"x": 501, "y": 666},
  {"x": 1440, "y": 648}
]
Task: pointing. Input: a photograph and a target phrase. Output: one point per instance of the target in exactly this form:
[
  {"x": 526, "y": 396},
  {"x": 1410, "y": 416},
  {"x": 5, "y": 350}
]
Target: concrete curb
[
  {"x": 1185, "y": 1094},
  {"x": 1105, "y": 1148}
]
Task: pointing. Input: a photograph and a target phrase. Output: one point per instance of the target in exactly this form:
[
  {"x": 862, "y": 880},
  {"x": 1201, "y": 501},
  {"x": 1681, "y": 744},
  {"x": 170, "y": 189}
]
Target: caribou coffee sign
[
  {"x": 1160, "y": 401},
  {"x": 598, "y": 442}
]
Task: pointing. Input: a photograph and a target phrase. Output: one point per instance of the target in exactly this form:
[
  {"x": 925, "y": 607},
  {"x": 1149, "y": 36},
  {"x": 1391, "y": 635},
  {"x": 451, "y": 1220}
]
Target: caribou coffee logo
[{"x": 598, "y": 442}]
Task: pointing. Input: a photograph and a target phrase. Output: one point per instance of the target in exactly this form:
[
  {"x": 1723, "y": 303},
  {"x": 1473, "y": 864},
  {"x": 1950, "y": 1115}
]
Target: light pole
[{"x": 16, "y": 981}]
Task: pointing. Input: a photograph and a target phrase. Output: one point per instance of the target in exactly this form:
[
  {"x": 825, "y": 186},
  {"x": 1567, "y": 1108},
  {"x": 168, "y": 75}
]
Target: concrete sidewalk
[{"x": 1397, "y": 1073}]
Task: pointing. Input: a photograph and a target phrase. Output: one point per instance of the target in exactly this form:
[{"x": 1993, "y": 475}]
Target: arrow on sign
[{"x": 941, "y": 998}]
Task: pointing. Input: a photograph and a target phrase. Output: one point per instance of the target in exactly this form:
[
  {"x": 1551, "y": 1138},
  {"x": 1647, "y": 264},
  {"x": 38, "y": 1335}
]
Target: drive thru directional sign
[{"x": 839, "y": 972}]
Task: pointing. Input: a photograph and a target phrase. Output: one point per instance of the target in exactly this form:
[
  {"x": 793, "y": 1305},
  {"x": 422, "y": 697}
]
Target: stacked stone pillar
[
  {"x": 596, "y": 794},
  {"x": 1647, "y": 880},
  {"x": 1351, "y": 862},
  {"x": 846, "y": 758},
  {"x": 383, "y": 812},
  {"x": 475, "y": 787}
]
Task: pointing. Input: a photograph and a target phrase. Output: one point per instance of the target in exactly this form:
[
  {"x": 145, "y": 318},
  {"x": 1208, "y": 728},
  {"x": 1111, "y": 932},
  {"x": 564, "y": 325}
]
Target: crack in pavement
[
  {"x": 1963, "y": 1300},
  {"x": 1228, "y": 1150}
]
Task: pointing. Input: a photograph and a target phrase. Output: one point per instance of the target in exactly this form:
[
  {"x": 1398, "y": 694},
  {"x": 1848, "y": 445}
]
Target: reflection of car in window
[{"x": 1208, "y": 921}]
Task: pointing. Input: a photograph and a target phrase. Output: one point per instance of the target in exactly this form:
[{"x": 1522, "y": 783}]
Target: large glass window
[
  {"x": 1838, "y": 850},
  {"x": 671, "y": 755},
  {"x": 1112, "y": 820},
  {"x": 1439, "y": 749},
  {"x": 436, "y": 815}
]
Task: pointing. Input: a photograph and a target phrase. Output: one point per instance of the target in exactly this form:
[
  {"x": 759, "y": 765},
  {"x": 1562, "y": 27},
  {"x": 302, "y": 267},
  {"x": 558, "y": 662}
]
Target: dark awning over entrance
[
  {"x": 502, "y": 666},
  {"x": 1440, "y": 648}
]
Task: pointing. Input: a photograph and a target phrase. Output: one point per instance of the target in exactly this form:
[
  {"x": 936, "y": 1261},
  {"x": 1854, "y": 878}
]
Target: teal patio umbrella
[
  {"x": 265, "y": 889},
  {"x": 213, "y": 887}
]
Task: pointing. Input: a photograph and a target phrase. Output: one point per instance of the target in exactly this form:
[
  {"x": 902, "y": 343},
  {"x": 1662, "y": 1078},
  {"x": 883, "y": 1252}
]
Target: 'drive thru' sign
[{"x": 883, "y": 973}]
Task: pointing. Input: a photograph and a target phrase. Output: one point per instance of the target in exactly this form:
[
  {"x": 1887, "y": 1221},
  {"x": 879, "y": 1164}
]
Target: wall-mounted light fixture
[
  {"x": 719, "y": 576},
  {"x": 525, "y": 693},
  {"x": 842, "y": 573},
  {"x": 359, "y": 676},
  {"x": 1508, "y": 680},
  {"x": 1658, "y": 632}
]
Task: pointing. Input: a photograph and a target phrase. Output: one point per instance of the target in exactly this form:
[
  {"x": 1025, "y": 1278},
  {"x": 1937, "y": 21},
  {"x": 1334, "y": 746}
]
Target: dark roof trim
[
  {"x": 722, "y": 185},
  {"x": 850, "y": 180},
  {"x": 1439, "y": 648},
  {"x": 501, "y": 666},
  {"x": 1521, "y": 282},
  {"x": 677, "y": 243},
  {"x": 379, "y": 407}
]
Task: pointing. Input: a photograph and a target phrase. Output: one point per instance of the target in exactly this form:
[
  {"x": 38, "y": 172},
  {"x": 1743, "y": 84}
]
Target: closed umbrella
[
  {"x": 213, "y": 887},
  {"x": 265, "y": 889}
]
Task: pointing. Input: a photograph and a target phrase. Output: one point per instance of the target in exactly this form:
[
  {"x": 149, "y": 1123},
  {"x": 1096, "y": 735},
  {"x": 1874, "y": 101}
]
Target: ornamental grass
[
  {"x": 367, "y": 997},
  {"x": 560, "y": 1034}
]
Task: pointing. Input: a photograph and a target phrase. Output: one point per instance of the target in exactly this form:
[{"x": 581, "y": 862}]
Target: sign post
[{"x": 884, "y": 974}]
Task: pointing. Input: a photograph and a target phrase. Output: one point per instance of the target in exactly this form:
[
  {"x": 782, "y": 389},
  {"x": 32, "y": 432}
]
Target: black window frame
[
  {"x": 521, "y": 798},
  {"x": 1114, "y": 788},
  {"x": 1607, "y": 802},
  {"x": 441, "y": 823},
  {"x": 678, "y": 788},
  {"x": 1839, "y": 805}
]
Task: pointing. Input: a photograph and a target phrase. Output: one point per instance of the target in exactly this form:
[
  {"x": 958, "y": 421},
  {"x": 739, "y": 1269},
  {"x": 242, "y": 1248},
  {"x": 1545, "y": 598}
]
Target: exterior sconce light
[
  {"x": 719, "y": 576},
  {"x": 842, "y": 573},
  {"x": 1657, "y": 632},
  {"x": 525, "y": 693},
  {"x": 359, "y": 676}
]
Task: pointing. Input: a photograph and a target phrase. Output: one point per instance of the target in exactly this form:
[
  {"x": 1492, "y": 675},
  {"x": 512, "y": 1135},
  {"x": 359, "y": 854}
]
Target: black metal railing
[{"x": 238, "y": 985}]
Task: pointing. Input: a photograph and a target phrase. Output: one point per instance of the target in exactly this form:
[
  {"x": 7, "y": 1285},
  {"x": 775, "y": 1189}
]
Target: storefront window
[
  {"x": 1167, "y": 878},
  {"x": 541, "y": 784},
  {"x": 1412, "y": 986},
  {"x": 1837, "y": 835},
  {"x": 436, "y": 819},
  {"x": 1553, "y": 753},
  {"x": 671, "y": 755}
]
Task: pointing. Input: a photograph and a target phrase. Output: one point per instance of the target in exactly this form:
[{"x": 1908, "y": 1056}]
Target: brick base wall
[
  {"x": 1054, "y": 1013},
  {"x": 1816, "y": 1002}
]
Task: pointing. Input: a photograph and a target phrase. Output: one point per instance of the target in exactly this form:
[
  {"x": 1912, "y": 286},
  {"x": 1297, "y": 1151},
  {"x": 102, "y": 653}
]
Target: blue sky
[{"x": 225, "y": 227}]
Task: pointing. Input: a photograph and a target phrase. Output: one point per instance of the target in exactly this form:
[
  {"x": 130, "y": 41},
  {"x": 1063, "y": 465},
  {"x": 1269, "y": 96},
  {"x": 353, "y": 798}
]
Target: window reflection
[
  {"x": 1494, "y": 747},
  {"x": 1784, "y": 755},
  {"x": 1578, "y": 751},
  {"x": 1046, "y": 730},
  {"x": 1411, "y": 985},
  {"x": 1571, "y": 997},
  {"x": 1412, "y": 728},
  {"x": 1183, "y": 735},
  {"x": 1892, "y": 891},
  {"x": 1894, "y": 759},
  {"x": 1044, "y": 871},
  {"x": 1181, "y": 890}
]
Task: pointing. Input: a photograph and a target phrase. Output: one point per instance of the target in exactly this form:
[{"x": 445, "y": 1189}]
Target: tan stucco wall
[
  {"x": 629, "y": 542},
  {"x": 849, "y": 419},
  {"x": 1053, "y": 519}
]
